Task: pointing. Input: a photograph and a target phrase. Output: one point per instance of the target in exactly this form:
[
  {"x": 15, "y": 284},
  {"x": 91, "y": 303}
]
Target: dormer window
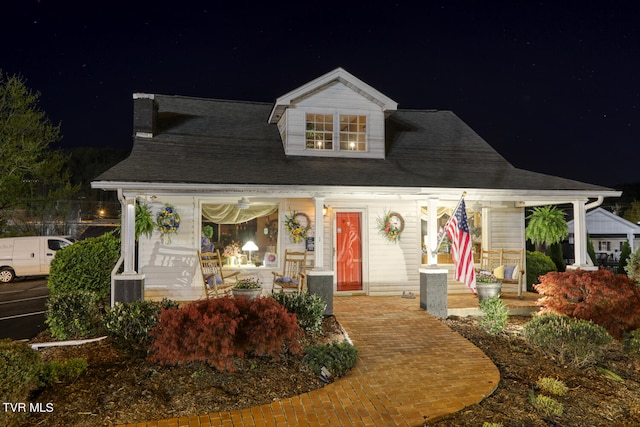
[
  {"x": 320, "y": 132},
  {"x": 353, "y": 132},
  {"x": 335, "y": 115}
]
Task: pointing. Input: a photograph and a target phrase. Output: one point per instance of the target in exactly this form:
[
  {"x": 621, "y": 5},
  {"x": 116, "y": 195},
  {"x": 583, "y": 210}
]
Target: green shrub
[
  {"x": 552, "y": 386},
  {"x": 338, "y": 358},
  {"x": 86, "y": 265},
  {"x": 591, "y": 251},
  {"x": 538, "y": 264},
  {"x": 20, "y": 367},
  {"x": 555, "y": 253},
  {"x": 63, "y": 372},
  {"x": 633, "y": 266},
  {"x": 572, "y": 341},
  {"x": 217, "y": 331},
  {"x": 632, "y": 341},
  {"x": 307, "y": 307},
  {"x": 625, "y": 253},
  {"x": 608, "y": 299},
  {"x": 129, "y": 324},
  {"x": 496, "y": 315},
  {"x": 546, "y": 405},
  {"x": 74, "y": 315}
]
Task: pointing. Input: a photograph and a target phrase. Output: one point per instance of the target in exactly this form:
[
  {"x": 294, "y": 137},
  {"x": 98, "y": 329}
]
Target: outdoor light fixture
[
  {"x": 325, "y": 209},
  {"x": 243, "y": 203},
  {"x": 250, "y": 246}
]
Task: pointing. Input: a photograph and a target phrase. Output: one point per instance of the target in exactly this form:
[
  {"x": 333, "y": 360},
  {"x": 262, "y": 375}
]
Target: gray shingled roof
[{"x": 205, "y": 141}]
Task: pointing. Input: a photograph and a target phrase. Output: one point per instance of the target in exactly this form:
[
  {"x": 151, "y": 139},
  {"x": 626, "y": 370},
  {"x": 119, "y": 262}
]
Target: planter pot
[
  {"x": 249, "y": 293},
  {"x": 488, "y": 290}
]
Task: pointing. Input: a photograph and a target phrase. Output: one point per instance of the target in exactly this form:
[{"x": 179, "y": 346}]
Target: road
[{"x": 22, "y": 308}]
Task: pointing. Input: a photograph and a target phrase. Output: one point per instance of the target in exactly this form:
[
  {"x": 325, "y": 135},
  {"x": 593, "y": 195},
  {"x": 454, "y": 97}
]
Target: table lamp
[{"x": 250, "y": 246}]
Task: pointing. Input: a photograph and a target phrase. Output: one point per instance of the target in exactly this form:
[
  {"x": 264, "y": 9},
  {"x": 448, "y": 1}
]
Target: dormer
[{"x": 335, "y": 115}]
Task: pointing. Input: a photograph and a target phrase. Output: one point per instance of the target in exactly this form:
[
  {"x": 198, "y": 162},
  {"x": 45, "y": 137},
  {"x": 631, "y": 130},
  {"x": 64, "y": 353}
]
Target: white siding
[
  {"x": 388, "y": 268},
  {"x": 507, "y": 228},
  {"x": 171, "y": 267},
  {"x": 336, "y": 99},
  {"x": 394, "y": 267},
  {"x": 286, "y": 208},
  {"x": 282, "y": 128}
]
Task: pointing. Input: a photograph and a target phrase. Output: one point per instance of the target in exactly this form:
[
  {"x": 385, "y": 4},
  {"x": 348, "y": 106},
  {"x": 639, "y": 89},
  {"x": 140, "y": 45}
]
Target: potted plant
[
  {"x": 487, "y": 285},
  {"x": 144, "y": 224},
  {"x": 249, "y": 287}
]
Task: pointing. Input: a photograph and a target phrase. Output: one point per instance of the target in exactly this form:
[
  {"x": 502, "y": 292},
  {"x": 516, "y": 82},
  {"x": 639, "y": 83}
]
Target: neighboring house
[
  {"x": 608, "y": 232},
  {"x": 337, "y": 151}
]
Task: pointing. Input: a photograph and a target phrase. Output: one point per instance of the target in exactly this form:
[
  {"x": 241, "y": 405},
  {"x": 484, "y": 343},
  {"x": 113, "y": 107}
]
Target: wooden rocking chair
[
  {"x": 216, "y": 284},
  {"x": 293, "y": 277},
  {"x": 508, "y": 262}
]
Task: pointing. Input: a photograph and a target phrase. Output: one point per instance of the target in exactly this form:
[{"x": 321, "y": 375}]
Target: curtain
[
  {"x": 232, "y": 214},
  {"x": 441, "y": 211}
]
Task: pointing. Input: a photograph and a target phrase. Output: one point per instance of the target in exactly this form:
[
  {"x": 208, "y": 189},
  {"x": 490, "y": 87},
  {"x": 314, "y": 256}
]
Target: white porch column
[
  {"x": 580, "y": 235},
  {"x": 432, "y": 227},
  {"x": 128, "y": 225},
  {"x": 630, "y": 238},
  {"x": 319, "y": 233}
]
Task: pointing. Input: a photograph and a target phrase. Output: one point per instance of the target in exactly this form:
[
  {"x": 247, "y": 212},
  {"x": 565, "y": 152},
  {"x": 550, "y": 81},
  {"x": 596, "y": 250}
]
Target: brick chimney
[{"x": 145, "y": 111}]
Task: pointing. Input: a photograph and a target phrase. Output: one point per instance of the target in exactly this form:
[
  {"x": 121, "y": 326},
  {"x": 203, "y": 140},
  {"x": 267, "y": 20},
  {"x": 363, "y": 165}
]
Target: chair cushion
[
  {"x": 286, "y": 280},
  {"x": 508, "y": 271},
  {"x": 499, "y": 272},
  {"x": 218, "y": 279},
  {"x": 516, "y": 272}
]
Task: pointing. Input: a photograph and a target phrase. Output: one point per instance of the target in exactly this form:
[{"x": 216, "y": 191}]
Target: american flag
[{"x": 461, "y": 251}]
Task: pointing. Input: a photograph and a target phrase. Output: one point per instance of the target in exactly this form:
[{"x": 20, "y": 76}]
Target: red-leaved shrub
[
  {"x": 217, "y": 331},
  {"x": 607, "y": 299}
]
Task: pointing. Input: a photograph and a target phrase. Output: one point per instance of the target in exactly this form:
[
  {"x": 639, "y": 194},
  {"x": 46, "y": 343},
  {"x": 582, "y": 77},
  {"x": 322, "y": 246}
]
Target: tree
[
  {"x": 633, "y": 213},
  {"x": 633, "y": 266},
  {"x": 32, "y": 178},
  {"x": 546, "y": 226},
  {"x": 591, "y": 251},
  {"x": 624, "y": 257},
  {"x": 555, "y": 253}
]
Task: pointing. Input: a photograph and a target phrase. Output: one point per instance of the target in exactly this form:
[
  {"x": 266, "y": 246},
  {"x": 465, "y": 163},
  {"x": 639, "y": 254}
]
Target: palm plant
[{"x": 546, "y": 226}]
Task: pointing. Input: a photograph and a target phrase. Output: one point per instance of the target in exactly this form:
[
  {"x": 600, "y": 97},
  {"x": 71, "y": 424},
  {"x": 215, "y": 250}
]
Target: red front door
[{"x": 348, "y": 251}]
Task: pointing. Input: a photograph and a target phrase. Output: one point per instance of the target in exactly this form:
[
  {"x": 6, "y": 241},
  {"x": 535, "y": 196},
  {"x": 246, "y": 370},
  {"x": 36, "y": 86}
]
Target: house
[
  {"x": 608, "y": 232},
  {"x": 335, "y": 157}
]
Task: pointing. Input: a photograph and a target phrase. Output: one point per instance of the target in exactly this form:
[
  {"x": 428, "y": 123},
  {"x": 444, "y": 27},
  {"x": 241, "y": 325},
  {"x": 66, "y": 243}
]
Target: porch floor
[{"x": 466, "y": 304}]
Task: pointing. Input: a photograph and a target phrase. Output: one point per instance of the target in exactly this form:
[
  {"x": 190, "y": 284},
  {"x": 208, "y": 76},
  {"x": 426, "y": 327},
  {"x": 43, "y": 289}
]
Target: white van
[{"x": 28, "y": 256}]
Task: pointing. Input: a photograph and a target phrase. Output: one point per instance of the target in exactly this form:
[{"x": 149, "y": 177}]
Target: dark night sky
[{"x": 554, "y": 86}]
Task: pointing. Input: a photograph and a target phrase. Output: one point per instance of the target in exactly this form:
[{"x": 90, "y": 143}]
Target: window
[
  {"x": 224, "y": 224},
  {"x": 319, "y": 134},
  {"x": 474, "y": 218},
  {"x": 353, "y": 132},
  {"x": 56, "y": 245},
  {"x": 604, "y": 246}
]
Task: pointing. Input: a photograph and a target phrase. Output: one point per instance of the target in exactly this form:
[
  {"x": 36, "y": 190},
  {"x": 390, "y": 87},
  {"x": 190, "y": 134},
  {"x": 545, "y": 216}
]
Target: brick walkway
[{"x": 411, "y": 369}]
